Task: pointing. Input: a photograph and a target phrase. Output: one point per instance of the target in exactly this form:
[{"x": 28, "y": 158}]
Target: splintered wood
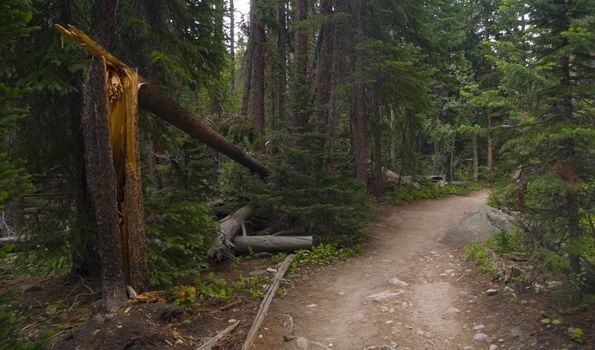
[{"x": 121, "y": 93}]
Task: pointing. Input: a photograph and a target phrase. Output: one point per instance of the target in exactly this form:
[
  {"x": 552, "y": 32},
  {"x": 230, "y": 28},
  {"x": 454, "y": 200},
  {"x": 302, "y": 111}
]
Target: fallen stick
[
  {"x": 216, "y": 339},
  {"x": 266, "y": 302}
]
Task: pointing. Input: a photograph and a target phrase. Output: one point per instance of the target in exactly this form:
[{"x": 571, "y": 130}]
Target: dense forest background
[{"x": 346, "y": 102}]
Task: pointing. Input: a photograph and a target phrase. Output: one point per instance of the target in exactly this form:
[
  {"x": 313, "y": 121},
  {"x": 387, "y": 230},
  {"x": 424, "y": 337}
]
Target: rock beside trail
[
  {"x": 491, "y": 292},
  {"x": 480, "y": 337},
  {"x": 477, "y": 226},
  {"x": 397, "y": 282}
]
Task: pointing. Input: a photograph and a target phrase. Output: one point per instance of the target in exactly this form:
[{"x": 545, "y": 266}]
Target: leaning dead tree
[{"x": 112, "y": 92}]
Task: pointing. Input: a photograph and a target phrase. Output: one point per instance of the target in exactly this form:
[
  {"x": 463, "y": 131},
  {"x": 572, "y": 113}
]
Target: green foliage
[
  {"x": 179, "y": 236},
  {"x": 577, "y": 335},
  {"x": 10, "y": 336},
  {"x": 304, "y": 196},
  {"x": 15, "y": 16},
  {"x": 325, "y": 254},
  {"x": 479, "y": 255}
]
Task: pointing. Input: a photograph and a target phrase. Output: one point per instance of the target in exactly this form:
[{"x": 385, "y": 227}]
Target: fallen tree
[
  {"x": 228, "y": 228},
  {"x": 154, "y": 100},
  {"x": 271, "y": 244}
]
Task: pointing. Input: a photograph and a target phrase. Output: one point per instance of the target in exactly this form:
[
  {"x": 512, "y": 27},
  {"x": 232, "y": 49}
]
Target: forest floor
[{"x": 348, "y": 305}]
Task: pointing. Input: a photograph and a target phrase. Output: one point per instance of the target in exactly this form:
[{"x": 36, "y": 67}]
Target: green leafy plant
[
  {"x": 478, "y": 254},
  {"x": 179, "y": 236},
  {"x": 577, "y": 335}
]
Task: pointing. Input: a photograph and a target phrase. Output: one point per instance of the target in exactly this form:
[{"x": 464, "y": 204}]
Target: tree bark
[
  {"x": 258, "y": 69},
  {"x": 360, "y": 143},
  {"x": 271, "y": 244},
  {"x": 156, "y": 101},
  {"x": 475, "y": 157},
  {"x": 377, "y": 178},
  {"x": 101, "y": 181},
  {"x": 228, "y": 228},
  {"x": 232, "y": 45},
  {"x": 490, "y": 162},
  {"x": 324, "y": 67},
  {"x": 281, "y": 78},
  {"x": 301, "y": 65},
  {"x": 248, "y": 70}
]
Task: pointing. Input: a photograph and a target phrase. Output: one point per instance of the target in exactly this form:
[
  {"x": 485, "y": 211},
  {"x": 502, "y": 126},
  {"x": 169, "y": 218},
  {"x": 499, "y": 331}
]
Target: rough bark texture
[
  {"x": 490, "y": 161},
  {"x": 248, "y": 61},
  {"x": 324, "y": 67},
  {"x": 360, "y": 142},
  {"x": 281, "y": 73},
  {"x": 301, "y": 66},
  {"x": 475, "y": 157},
  {"x": 258, "y": 67},
  {"x": 156, "y": 101},
  {"x": 232, "y": 45},
  {"x": 101, "y": 181},
  {"x": 377, "y": 178},
  {"x": 271, "y": 244}
]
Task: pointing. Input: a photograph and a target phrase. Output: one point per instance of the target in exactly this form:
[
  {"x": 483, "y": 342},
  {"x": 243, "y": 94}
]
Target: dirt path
[{"x": 340, "y": 307}]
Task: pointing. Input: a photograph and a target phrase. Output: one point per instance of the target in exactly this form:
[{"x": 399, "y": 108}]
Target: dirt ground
[
  {"x": 350, "y": 305},
  {"x": 444, "y": 299}
]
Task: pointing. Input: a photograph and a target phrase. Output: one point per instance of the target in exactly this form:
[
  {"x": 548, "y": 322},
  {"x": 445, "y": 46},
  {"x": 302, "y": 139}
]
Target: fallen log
[
  {"x": 8, "y": 240},
  {"x": 152, "y": 99},
  {"x": 263, "y": 309},
  {"x": 216, "y": 339},
  {"x": 228, "y": 228},
  {"x": 271, "y": 244}
]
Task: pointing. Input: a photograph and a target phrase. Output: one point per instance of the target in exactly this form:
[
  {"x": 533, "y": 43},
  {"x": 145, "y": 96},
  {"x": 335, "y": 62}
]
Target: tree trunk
[
  {"x": 324, "y": 67},
  {"x": 101, "y": 181},
  {"x": 377, "y": 178},
  {"x": 490, "y": 143},
  {"x": 271, "y": 244},
  {"x": 228, "y": 228},
  {"x": 281, "y": 78},
  {"x": 156, "y": 101},
  {"x": 258, "y": 68},
  {"x": 248, "y": 64},
  {"x": 232, "y": 45},
  {"x": 475, "y": 157},
  {"x": 301, "y": 65},
  {"x": 360, "y": 143}
]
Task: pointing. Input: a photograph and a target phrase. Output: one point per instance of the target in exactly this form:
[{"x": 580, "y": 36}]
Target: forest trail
[{"x": 336, "y": 307}]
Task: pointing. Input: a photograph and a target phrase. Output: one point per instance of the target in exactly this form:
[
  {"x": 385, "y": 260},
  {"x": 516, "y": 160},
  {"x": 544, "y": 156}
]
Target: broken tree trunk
[
  {"x": 228, "y": 228},
  {"x": 263, "y": 309},
  {"x": 151, "y": 98},
  {"x": 271, "y": 244}
]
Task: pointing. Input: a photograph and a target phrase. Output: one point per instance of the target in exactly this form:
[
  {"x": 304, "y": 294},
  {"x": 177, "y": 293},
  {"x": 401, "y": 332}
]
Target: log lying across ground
[
  {"x": 228, "y": 229},
  {"x": 271, "y": 244},
  {"x": 263, "y": 309}
]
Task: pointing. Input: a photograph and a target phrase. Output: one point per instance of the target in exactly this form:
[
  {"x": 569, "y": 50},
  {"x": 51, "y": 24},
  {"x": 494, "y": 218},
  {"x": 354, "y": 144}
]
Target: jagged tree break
[{"x": 112, "y": 161}]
